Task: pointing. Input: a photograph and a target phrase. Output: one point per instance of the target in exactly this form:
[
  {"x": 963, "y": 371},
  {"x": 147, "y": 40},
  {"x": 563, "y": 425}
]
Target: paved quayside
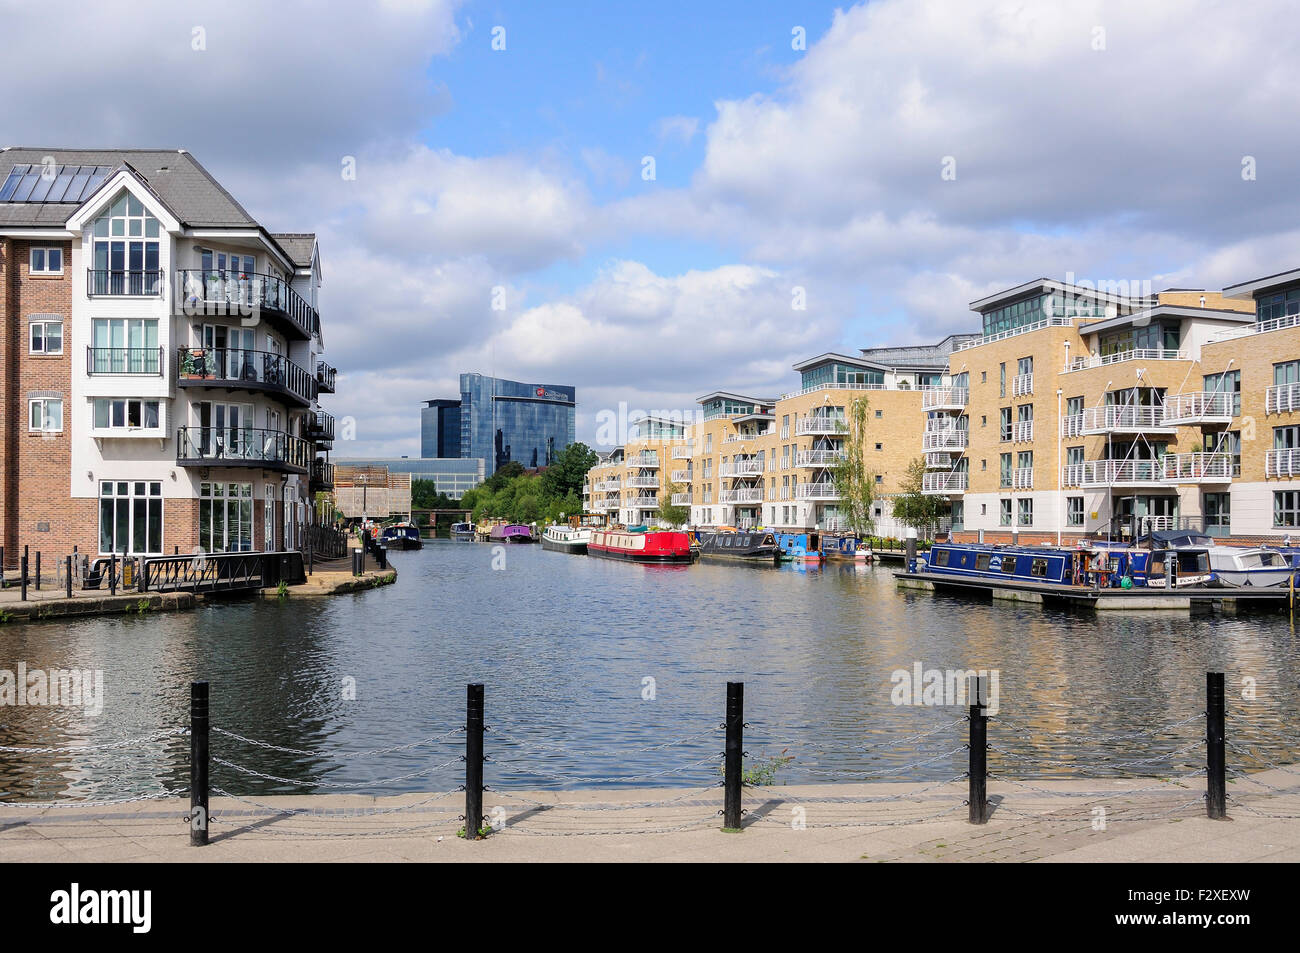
[{"x": 1144, "y": 820}]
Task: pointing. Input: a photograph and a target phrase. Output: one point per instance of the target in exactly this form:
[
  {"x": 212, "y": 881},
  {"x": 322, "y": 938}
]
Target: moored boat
[
  {"x": 641, "y": 546},
  {"x": 1100, "y": 566},
  {"x": 843, "y": 546},
  {"x": 566, "y": 539},
  {"x": 463, "y": 531},
  {"x": 800, "y": 547},
  {"x": 754, "y": 548},
  {"x": 1250, "y": 566},
  {"x": 403, "y": 535},
  {"x": 511, "y": 533}
]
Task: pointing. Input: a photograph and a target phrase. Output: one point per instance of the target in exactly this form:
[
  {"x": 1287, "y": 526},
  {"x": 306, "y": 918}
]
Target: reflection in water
[{"x": 565, "y": 645}]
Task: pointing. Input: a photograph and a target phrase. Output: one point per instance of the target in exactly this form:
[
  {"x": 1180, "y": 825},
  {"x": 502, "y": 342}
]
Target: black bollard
[
  {"x": 68, "y": 574},
  {"x": 22, "y": 572},
  {"x": 38, "y": 570},
  {"x": 979, "y": 761},
  {"x": 473, "y": 759},
  {"x": 1216, "y": 782},
  {"x": 198, "y": 764},
  {"x": 112, "y": 574},
  {"x": 734, "y": 757}
]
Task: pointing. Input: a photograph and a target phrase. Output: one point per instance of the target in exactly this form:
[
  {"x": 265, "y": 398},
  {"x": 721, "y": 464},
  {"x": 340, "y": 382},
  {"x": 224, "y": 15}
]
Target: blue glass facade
[
  {"x": 440, "y": 429},
  {"x": 503, "y": 421}
]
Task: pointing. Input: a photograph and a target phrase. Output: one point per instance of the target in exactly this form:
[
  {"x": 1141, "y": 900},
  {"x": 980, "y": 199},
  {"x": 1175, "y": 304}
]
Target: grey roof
[
  {"x": 180, "y": 183},
  {"x": 297, "y": 245}
]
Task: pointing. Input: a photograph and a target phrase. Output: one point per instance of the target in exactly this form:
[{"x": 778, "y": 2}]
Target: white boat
[
  {"x": 567, "y": 539},
  {"x": 1244, "y": 566}
]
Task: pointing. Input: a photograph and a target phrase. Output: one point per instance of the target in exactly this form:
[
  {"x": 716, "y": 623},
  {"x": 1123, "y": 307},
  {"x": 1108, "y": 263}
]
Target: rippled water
[{"x": 564, "y": 645}]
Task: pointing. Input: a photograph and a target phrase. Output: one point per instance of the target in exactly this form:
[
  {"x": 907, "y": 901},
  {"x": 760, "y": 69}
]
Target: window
[
  {"x": 1286, "y": 509},
  {"x": 1270, "y": 307},
  {"x": 1025, "y": 513},
  {"x": 941, "y": 558},
  {"x": 1227, "y": 383},
  {"x": 1038, "y": 568},
  {"x": 1286, "y": 438},
  {"x": 125, "y": 346},
  {"x": 46, "y": 261},
  {"x": 1004, "y": 518},
  {"x": 1074, "y": 511},
  {"x": 1004, "y": 429},
  {"x": 984, "y": 377},
  {"x": 125, "y": 252},
  {"x": 879, "y": 414},
  {"x": 45, "y": 414},
  {"x": 1004, "y": 470},
  {"x": 981, "y": 562},
  {"x": 124, "y": 413},
  {"x": 1002, "y": 380},
  {"x": 1009, "y": 564},
  {"x": 1287, "y": 372},
  {"x": 46, "y": 337},
  {"x": 130, "y": 517},
  {"x": 1073, "y": 456},
  {"x": 225, "y": 517},
  {"x": 880, "y": 446}
]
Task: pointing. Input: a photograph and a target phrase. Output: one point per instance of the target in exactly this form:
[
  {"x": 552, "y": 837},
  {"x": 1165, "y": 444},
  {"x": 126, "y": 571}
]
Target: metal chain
[
  {"x": 112, "y": 746},
  {"x": 623, "y": 780},
  {"x": 1251, "y": 779},
  {"x": 524, "y": 743},
  {"x": 317, "y": 782},
  {"x": 851, "y": 799},
  {"x": 1250, "y": 753},
  {"x": 343, "y": 754},
  {"x": 884, "y": 773},
  {"x": 1047, "y": 815},
  {"x": 43, "y": 805},
  {"x": 543, "y": 832},
  {"x": 1096, "y": 795},
  {"x": 905, "y": 822},
  {"x": 1093, "y": 739},
  {"x": 338, "y": 812},
  {"x": 631, "y": 805},
  {"x": 890, "y": 743}
]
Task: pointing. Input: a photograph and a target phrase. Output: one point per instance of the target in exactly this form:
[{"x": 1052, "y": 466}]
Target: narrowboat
[
  {"x": 800, "y": 547},
  {"x": 641, "y": 545},
  {"x": 1246, "y": 566},
  {"x": 511, "y": 533},
  {"x": 1099, "y": 567},
  {"x": 758, "y": 549},
  {"x": 403, "y": 535},
  {"x": 463, "y": 531},
  {"x": 846, "y": 546},
  {"x": 566, "y": 539}
]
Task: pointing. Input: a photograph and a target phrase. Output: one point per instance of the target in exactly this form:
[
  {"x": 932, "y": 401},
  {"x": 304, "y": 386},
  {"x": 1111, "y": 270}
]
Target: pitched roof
[
  {"x": 175, "y": 176},
  {"x": 297, "y": 245}
]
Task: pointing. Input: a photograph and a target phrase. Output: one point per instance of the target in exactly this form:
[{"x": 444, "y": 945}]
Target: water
[{"x": 564, "y": 645}]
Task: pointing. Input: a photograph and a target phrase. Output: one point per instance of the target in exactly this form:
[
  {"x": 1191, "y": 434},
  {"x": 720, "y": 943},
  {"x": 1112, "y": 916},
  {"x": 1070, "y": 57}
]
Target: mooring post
[
  {"x": 473, "y": 759},
  {"x": 22, "y": 572},
  {"x": 1216, "y": 781},
  {"x": 112, "y": 574},
  {"x": 198, "y": 764},
  {"x": 734, "y": 757},
  {"x": 144, "y": 575},
  {"x": 38, "y": 570},
  {"x": 67, "y": 574},
  {"x": 977, "y": 796}
]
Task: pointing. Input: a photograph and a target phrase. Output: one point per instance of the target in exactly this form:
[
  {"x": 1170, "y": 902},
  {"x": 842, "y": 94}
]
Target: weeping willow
[{"x": 855, "y": 487}]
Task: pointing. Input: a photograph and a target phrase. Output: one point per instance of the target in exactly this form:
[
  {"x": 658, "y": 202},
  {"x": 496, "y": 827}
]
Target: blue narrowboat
[
  {"x": 1100, "y": 567},
  {"x": 841, "y": 547},
  {"x": 803, "y": 547}
]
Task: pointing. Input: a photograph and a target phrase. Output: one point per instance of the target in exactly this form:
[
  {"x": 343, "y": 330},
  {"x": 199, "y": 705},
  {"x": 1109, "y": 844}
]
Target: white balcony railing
[
  {"x": 1022, "y": 384},
  {"x": 754, "y": 495},
  {"x": 1282, "y": 399},
  {"x": 951, "y": 438},
  {"x": 1132, "y": 354},
  {"x": 681, "y": 476},
  {"x": 939, "y": 460},
  {"x": 681, "y": 499},
  {"x": 1072, "y": 474},
  {"x": 816, "y": 491},
  {"x": 1072, "y": 425},
  {"x": 944, "y": 398},
  {"x": 1129, "y": 418},
  {"x": 1282, "y": 463},
  {"x": 820, "y": 458},
  {"x": 1053, "y": 322},
  {"x": 949, "y": 482},
  {"x": 647, "y": 482},
  {"x": 681, "y": 453},
  {"x": 820, "y": 424},
  {"x": 649, "y": 460},
  {"x": 1197, "y": 467},
  {"x": 1259, "y": 327},
  {"x": 1022, "y": 478},
  {"x": 742, "y": 468},
  {"x": 1120, "y": 472},
  {"x": 1022, "y": 431},
  {"x": 1199, "y": 407}
]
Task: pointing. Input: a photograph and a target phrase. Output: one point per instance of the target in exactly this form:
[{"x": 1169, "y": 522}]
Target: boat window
[
  {"x": 941, "y": 558},
  {"x": 1194, "y": 562},
  {"x": 1009, "y": 565},
  {"x": 982, "y": 562},
  {"x": 1038, "y": 568}
]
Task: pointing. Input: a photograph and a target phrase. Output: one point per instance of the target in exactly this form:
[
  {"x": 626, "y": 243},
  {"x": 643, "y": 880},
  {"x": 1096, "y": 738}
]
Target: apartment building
[
  {"x": 163, "y": 360},
  {"x": 628, "y": 483}
]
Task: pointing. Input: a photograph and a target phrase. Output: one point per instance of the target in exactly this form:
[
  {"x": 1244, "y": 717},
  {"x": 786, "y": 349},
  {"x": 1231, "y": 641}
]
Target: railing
[
  {"x": 820, "y": 458},
  {"x": 816, "y": 491},
  {"x": 1282, "y": 463},
  {"x": 244, "y": 292},
  {"x": 1052, "y": 322},
  {"x": 325, "y": 377},
  {"x": 236, "y": 367},
  {"x": 1132, "y": 354},
  {"x": 681, "y": 499},
  {"x": 1108, "y": 472},
  {"x": 206, "y": 572},
  {"x": 743, "y": 437},
  {"x": 744, "y": 468},
  {"x": 938, "y": 460},
  {"x": 1282, "y": 399},
  {"x": 1259, "y": 327},
  {"x": 648, "y": 460},
  {"x": 1022, "y": 384},
  {"x": 322, "y": 474},
  {"x": 681, "y": 476},
  {"x": 1072, "y": 425},
  {"x": 124, "y": 360},
  {"x": 1022, "y": 478},
  {"x": 326, "y": 542},
  {"x": 608, "y": 485},
  {"x": 1198, "y": 467},
  {"x": 1072, "y": 474},
  {"x": 1022, "y": 431},
  {"x": 949, "y": 439},
  {"x": 820, "y": 424},
  {"x": 318, "y": 426},
  {"x": 243, "y": 446},
  {"x": 642, "y": 482},
  {"x": 1198, "y": 407},
  {"x": 741, "y": 496},
  {"x": 945, "y": 482},
  {"x": 944, "y": 398},
  {"x": 681, "y": 453},
  {"x": 1127, "y": 417},
  {"x": 115, "y": 282},
  {"x": 646, "y": 499}
]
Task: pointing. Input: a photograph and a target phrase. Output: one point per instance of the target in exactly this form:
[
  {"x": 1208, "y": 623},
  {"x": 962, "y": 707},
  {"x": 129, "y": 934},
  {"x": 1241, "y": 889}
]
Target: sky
[{"x": 654, "y": 201}]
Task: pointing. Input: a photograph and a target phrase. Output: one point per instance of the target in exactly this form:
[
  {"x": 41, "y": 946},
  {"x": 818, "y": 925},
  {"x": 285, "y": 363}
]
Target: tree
[
  {"x": 504, "y": 475},
  {"x": 671, "y": 513},
  {"x": 426, "y": 496},
  {"x": 855, "y": 487},
  {"x": 567, "y": 471},
  {"x": 913, "y": 507}
]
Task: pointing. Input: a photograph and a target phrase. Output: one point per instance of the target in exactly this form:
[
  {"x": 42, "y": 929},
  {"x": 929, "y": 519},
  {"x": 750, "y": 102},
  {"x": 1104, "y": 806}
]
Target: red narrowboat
[{"x": 641, "y": 546}]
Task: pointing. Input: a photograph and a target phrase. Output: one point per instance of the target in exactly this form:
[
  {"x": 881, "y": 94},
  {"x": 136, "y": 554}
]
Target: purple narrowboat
[{"x": 511, "y": 533}]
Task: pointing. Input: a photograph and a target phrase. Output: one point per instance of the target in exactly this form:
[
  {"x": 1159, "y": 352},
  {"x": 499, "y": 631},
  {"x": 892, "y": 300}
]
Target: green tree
[
  {"x": 915, "y": 508},
  {"x": 855, "y": 487},
  {"x": 671, "y": 513},
  {"x": 426, "y": 496},
  {"x": 565, "y": 474},
  {"x": 504, "y": 475}
]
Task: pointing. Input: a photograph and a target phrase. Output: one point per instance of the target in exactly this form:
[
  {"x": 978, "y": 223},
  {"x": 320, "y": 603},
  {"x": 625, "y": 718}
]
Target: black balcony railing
[
  {"x": 237, "y": 367},
  {"x": 245, "y": 293},
  {"x": 242, "y": 446},
  {"x": 322, "y": 475},
  {"x": 318, "y": 426},
  {"x": 124, "y": 360},
  {"x": 325, "y": 377},
  {"x": 141, "y": 284}
]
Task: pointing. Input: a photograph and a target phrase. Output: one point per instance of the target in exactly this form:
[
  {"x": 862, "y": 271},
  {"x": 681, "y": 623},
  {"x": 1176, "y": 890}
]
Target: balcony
[
  {"x": 940, "y": 460},
  {"x": 1282, "y": 399},
  {"x": 1200, "y": 408},
  {"x": 1022, "y": 478},
  {"x": 1072, "y": 425},
  {"x": 743, "y": 437},
  {"x": 645, "y": 500},
  {"x": 1102, "y": 473},
  {"x": 237, "y": 369},
  {"x": 642, "y": 482},
  {"x": 1129, "y": 418},
  {"x": 944, "y": 398},
  {"x": 1022, "y": 431},
  {"x": 144, "y": 361},
  {"x": 242, "y": 447},
  {"x": 681, "y": 476},
  {"x": 322, "y": 476},
  {"x": 942, "y": 484},
  {"x": 1282, "y": 463},
  {"x": 820, "y": 424},
  {"x": 681, "y": 453},
  {"x": 647, "y": 461},
  {"x": 202, "y": 293},
  {"x": 754, "y": 495},
  {"x": 816, "y": 491},
  {"x": 1198, "y": 467},
  {"x": 949, "y": 438},
  {"x": 1133, "y": 354},
  {"x": 318, "y": 427},
  {"x": 820, "y": 458},
  {"x": 608, "y": 486},
  {"x": 116, "y": 283},
  {"x": 681, "y": 499},
  {"x": 325, "y": 378},
  {"x": 741, "y": 469},
  {"x": 1022, "y": 385}
]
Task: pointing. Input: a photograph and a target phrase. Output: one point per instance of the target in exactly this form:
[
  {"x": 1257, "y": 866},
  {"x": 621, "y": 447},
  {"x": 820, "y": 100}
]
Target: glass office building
[
  {"x": 440, "y": 429},
  {"x": 503, "y": 421}
]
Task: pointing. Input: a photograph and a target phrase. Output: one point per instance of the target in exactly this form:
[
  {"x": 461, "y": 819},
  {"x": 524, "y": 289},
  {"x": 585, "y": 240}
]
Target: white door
[{"x": 268, "y": 520}]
